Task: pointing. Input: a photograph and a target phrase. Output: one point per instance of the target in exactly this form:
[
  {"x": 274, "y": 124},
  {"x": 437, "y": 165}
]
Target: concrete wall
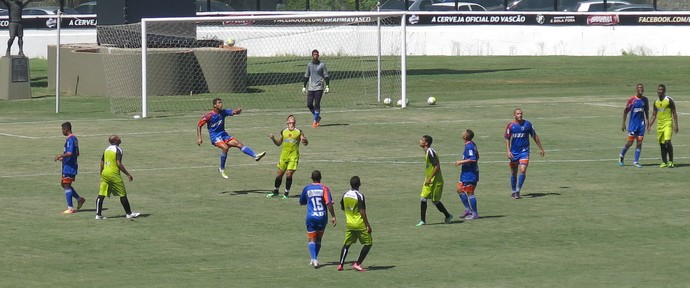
[{"x": 461, "y": 40}]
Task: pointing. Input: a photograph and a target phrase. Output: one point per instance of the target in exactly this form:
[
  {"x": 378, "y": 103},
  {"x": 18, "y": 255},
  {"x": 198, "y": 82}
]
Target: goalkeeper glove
[
  {"x": 327, "y": 89},
  {"x": 304, "y": 89}
]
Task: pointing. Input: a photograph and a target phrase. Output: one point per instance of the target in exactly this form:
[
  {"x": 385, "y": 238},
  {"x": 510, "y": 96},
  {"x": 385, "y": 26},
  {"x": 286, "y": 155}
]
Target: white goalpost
[{"x": 258, "y": 61}]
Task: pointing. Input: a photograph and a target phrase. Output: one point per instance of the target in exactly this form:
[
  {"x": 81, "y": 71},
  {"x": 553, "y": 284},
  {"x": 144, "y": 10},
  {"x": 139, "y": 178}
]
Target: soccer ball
[
  {"x": 230, "y": 42},
  {"x": 399, "y": 103},
  {"x": 387, "y": 101},
  {"x": 431, "y": 100}
]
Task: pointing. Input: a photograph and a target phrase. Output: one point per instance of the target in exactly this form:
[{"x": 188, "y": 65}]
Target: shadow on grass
[
  {"x": 91, "y": 210},
  {"x": 142, "y": 215},
  {"x": 39, "y": 82},
  {"x": 488, "y": 217},
  {"x": 537, "y": 195},
  {"x": 348, "y": 266},
  {"x": 334, "y": 124},
  {"x": 279, "y": 78},
  {"x": 427, "y": 72},
  {"x": 245, "y": 192}
]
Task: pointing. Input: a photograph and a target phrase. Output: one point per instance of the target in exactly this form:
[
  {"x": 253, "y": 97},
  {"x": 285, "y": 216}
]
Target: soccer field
[{"x": 583, "y": 221}]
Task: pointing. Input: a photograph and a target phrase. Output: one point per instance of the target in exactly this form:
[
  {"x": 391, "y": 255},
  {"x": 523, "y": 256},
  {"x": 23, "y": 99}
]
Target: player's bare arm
[
  {"x": 332, "y": 211},
  {"x": 198, "y": 136},
  {"x": 538, "y": 141},
  {"x": 672, "y": 105},
  {"x": 651, "y": 122},
  {"x": 363, "y": 211},
  {"x": 625, "y": 115},
  {"x": 277, "y": 142},
  {"x": 62, "y": 156},
  {"x": 118, "y": 160}
]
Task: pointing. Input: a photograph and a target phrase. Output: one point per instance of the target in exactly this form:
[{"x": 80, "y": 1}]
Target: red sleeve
[
  {"x": 629, "y": 104},
  {"x": 204, "y": 120},
  {"x": 327, "y": 195},
  {"x": 507, "y": 133}
]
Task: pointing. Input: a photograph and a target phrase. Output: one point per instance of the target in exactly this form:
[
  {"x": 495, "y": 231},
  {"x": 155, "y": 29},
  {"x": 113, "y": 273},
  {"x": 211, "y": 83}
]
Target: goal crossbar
[{"x": 328, "y": 19}]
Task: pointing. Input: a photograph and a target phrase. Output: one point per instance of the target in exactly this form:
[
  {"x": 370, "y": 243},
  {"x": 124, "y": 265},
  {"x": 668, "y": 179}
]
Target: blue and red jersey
[
  {"x": 519, "y": 134},
  {"x": 69, "y": 164},
  {"x": 638, "y": 108},
  {"x": 317, "y": 197},
  {"x": 215, "y": 122},
  {"x": 470, "y": 170}
]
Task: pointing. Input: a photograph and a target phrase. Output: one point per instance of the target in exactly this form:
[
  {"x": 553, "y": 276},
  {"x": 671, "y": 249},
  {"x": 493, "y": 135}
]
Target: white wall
[
  {"x": 36, "y": 41},
  {"x": 470, "y": 40},
  {"x": 549, "y": 40}
]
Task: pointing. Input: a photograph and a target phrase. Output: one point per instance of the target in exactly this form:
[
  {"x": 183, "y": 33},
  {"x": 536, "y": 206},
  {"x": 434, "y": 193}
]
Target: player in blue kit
[
  {"x": 215, "y": 122},
  {"x": 318, "y": 198},
  {"x": 469, "y": 176},
  {"x": 69, "y": 168},
  {"x": 638, "y": 107},
  {"x": 517, "y": 145}
]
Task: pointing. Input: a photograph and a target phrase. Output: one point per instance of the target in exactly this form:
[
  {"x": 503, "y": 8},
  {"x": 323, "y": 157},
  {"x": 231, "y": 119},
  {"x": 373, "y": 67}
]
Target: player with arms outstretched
[
  {"x": 290, "y": 138},
  {"x": 215, "y": 122},
  {"x": 318, "y": 199},
  {"x": 517, "y": 145},
  {"x": 638, "y": 107}
]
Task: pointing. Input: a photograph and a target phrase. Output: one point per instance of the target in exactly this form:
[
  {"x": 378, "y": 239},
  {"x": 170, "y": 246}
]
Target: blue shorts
[
  {"x": 316, "y": 224},
  {"x": 636, "y": 130},
  {"x": 221, "y": 137},
  {"x": 520, "y": 157}
]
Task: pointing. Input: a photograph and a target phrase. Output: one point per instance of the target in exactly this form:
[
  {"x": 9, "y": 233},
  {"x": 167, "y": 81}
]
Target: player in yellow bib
[
  {"x": 111, "y": 180},
  {"x": 358, "y": 227},
  {"x": 433, "y": 181},
  {"x": 665, "y": 112},
  {"x": 290, "y": 138}
]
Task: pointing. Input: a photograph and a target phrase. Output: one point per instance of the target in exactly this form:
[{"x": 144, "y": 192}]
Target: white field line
[
  {"x": 393, "y": 162},
  {"x": 250, "y": 113},
  {"x": 19, "y": 136}
]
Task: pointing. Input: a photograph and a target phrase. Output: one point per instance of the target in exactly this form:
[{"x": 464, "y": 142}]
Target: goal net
[{"x": 253, "y": 62}]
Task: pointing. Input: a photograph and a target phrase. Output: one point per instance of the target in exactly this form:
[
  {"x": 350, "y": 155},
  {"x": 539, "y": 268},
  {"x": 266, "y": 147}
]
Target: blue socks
[
  {"x": 623, "y": 151},
  {"x": 223, "y": 157},
  {"x": 637, "y": 154},
  {"x": 521, "y": 180},
  {"x": 312, "y": 250},
  {"x": 473, "y": 203},
  {"x": 248, "y": 151},
  {"x": 245, "y": 150},
  {"x": 316, "y": 116},
  {"x": 513, "y": 182},
  {"x": 465, "y": 201},
  {"x": 69, "y": 194}
]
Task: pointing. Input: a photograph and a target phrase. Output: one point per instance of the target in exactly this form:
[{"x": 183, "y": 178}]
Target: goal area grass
[{"x": 583, "y": 221}]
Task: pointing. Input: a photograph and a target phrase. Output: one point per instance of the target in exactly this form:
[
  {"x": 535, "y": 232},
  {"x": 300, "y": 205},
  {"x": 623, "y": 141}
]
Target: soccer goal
[{"x": 253, "y": 62}]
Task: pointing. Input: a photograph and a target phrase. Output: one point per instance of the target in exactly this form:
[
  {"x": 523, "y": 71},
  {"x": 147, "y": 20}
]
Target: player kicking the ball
[{"x": 215, "y": 122}]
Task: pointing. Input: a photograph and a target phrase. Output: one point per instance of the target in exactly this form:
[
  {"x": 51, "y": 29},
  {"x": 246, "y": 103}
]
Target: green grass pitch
[{"x": 584, "y": 221}]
